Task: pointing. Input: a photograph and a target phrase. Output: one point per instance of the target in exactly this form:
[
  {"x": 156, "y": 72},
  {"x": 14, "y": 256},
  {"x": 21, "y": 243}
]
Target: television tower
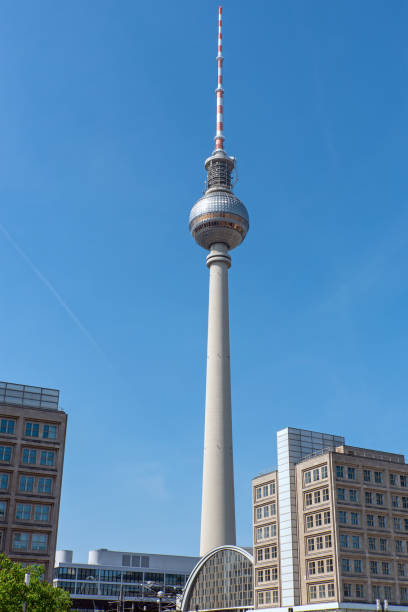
[{"x": 218, "y": 222}]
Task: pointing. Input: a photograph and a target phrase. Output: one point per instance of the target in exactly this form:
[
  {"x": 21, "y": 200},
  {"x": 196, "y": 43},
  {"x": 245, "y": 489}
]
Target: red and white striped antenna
[{"x": 219, "y": 138}]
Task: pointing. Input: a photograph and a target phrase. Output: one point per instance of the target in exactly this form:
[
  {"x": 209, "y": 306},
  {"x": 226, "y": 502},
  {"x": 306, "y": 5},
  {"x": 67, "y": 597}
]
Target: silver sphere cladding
[{"x": 219, "y": 216}]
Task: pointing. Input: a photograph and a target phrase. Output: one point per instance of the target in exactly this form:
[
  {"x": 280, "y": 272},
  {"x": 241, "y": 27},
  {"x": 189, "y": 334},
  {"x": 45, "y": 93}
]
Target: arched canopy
[{"x": 222, "y": 579}]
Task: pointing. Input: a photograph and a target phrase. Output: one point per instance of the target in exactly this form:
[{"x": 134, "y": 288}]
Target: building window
[
  {"x": 328, "y": 541},
  {"x": 397, "y": 523},
  {"x": 39, "y": 542},
  {"x": 351, "y": 473},
  {"x": 259, "y": 556},
  {"x": 258, "y": 514},
  {"x": 26, "y": 483},
  {"x": 319, "y": 542},
  {"x": 404, "y": 481},
  {"x": 322, "y": 591},
  {"x": 379, "y": 499},
  {"x": 47, "y": 458},
  {"x": 29, "y": 456},
  {"x": 356, "y": 541},
  {"x": 359, "y": 591},
  {"x": 274, "y": 571},
  {"x": 32, "y": 430},
  {"x": 388, "y": 593},
  {"x": 399, "y": 546},
  {"x": 385, "y": 568},
  {"x": 273, "y": 509},
  {"x": 358, "y": 566},
  {"x": 324, "y": 472},
  {"x": 402, "y": 572},
  {"x": 383, "y": 545},
  {"x": 20, "y": 541},
  {"x": 50, "y": 431},
  {"x": 376, "y": 592},
  {"x": 341, "y": 494},
  {"x": 367, "y": 475},
  {"x": 372, "y": 544},
  {"x": 353, "y": 495},
  {"x": 395, "y": 501},
  {"x": 309, "y": 521},
  {"x": 5, "y": 454},
  {"x": 347, "y": 589},
  {"x": 23, "y": 512},
  {"x": 4, "y": 481},
  {"x": 325, "y": 494},
  {"x": 308, "y": 477},
  {"x": 404, "y": 593},
  {"x": 344, "y": 540},
  {"x": 44, "y": 485},
  {"x": 260, "y": 576},
  {"x": 42, "y": 513},
  {"x": 317, "y": 497},
  {"x": 326, "y": 517},
  {"x": 7, "y": 426},
  {"x": 258, "y": 493},
  {"x": 393, "y": 480},
  {"x": 318, "y": 518},
  {"x": 260, "y": 598},
  {"x": 274, "y": 552},
  {"x": 368, "y": 497},
  {"x": 313, "y": 592},
  {"x": 310, "y": 544},
  {"x": 378, "y": 477},
  {"x": 272, "y": 488},
  {"x": 374, "y": 567},
  {"x": 405, "y": 502},
  {"x": 312, "y": 568},
  {"x": 320, "y": 566},
  {"x": 339, "y": 471},
  {"x": 3, "y": 508},
  {"x": 275, "y": 597},
  {"x": 345, "y": 566},
  {"x": 267, "y": 575},
  {"x": 309, "y": 499},
  {"x": 370, "y": 520},
  {"x": 316, "y": 474},
  {"x": 343, "y": 517},
  {"x": 382, "y": 522},
  {"x": 330, "y": 589},
  {"x": 329, "y": 565},
  {"x": 266, "y": 490},
  {"x": 355, "y": 518}
]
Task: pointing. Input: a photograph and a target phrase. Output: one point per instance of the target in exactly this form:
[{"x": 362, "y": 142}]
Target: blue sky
[{"x": 107, "y": 112}]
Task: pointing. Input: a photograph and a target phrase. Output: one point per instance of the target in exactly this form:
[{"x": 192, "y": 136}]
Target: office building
[
  {"x": 331, "y": 526},
  {"x": 32, "y": 442},
  {"x": 132, "y": 580}
]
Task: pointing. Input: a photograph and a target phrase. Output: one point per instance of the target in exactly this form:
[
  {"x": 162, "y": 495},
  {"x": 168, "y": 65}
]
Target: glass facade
[{"x": 224, "y": 581}]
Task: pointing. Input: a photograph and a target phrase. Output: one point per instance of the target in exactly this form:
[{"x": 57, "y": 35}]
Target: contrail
[{"x": 50, "y": 287}]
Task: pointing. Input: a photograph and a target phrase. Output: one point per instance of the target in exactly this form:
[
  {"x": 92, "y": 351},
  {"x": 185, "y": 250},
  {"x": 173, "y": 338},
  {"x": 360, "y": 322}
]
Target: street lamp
[
  {"x": 27, "y": 580},
  {"x": 160, "y": 594}
]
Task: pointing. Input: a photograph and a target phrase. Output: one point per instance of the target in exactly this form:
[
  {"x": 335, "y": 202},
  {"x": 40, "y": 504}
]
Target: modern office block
[
  {"x": 32, "y": 442},
  {"x": 128, "y": 578},
  {"x": 331, "y": 526}
]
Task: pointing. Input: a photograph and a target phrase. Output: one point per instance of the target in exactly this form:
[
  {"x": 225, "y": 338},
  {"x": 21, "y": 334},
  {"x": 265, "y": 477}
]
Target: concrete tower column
[{"x": 218, "y": 505}]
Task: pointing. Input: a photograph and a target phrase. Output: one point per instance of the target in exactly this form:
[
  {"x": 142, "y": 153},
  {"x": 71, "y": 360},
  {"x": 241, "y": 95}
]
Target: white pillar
[{"x": 218, "y": 505}]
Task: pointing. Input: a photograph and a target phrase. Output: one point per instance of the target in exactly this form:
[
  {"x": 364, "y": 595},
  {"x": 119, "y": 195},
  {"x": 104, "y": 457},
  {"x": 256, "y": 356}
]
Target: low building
[
  {"x": 331, "y": 527},
  {"x": 137, "y": 581},
  {"x": 32, "y": 443}
]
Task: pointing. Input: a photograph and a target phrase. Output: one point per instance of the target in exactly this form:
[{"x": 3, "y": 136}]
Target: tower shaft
[{"x": 218, "y": 505}]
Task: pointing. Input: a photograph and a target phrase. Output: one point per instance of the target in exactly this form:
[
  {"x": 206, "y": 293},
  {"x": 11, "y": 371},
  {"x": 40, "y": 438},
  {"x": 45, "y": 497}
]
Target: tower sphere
[{"x": 219, "y": 216}]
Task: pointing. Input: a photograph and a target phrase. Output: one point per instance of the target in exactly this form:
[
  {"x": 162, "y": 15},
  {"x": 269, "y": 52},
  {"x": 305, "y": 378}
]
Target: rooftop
[{"x": 27, "y": 396}]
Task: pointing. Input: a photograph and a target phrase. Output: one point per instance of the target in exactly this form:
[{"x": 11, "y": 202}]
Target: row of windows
[
  {"x": 321, "y": 566},
  {"x": 268, "y": 597},
  {"x": 72, "y": 573},
  {"x": 29, "y": 456},
  {"x": 266, "y": 490},
  {"x": 319, "y": 542},
  {"x": 31, "y": 429},
  {"x": 317, "y": 497},
  {"x": 266, "y": 553},
  {"x": 30, "y": 484},
  {"x": 263, "y": 533},
  {"x": 36, "y": 512},
  {"x": 321, "y": 591},
  {"x": 30, "y": 541},
  {"x": 357, "y": 589},
  {"x": 318, "y": 519},
  {"x": 348, "y": 495},
  {"x": 263, "y": 512},
  {"x": 399, "y": 502},
  {"x": 354, "y": 518},
  {"x": 385, "y": 568},
  {"x": 347, "y": 541},
  {"x": 352, "y": 565},
  {"x": 395, "y": 480},
  {"x": 316, "y": 474},
  {"x": 387, "y": 592},
  {"x": 268, "y": 574}
]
